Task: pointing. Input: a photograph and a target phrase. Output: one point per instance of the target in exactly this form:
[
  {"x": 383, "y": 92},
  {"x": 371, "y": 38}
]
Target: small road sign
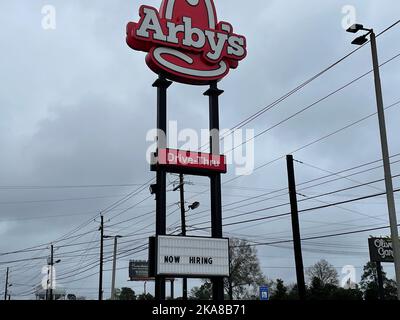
[{"x": 264, "y": 293}]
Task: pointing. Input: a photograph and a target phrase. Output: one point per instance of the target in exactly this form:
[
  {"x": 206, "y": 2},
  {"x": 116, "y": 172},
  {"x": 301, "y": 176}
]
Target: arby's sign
[{"x": 186, "y": 42}]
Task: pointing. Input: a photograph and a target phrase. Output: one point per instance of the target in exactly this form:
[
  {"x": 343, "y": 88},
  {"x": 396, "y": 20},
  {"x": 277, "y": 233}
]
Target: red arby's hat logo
[{"x": 185, "y": 41}]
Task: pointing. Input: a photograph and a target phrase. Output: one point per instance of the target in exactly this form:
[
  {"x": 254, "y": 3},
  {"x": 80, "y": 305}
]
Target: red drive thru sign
[
  {"x": 186, "y": 42},
  {"x": 189, "y": 162}
]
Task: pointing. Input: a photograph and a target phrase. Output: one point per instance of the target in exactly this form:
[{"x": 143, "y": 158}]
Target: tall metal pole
[
  {"x": 162, "y": 84},
  {"x": 296, "y": 229},
  {"x": 215, "y": 181},
  {"x": 101, "y": 229},
  {"x": 183, "y": 226},
  {"x": 386, "y": 163},
  {"x": 172, "y": 289},
  {"x": 6, "y": 288},
  {"x": 51, "y": 272},
  {"x": 113, "y": 297}
]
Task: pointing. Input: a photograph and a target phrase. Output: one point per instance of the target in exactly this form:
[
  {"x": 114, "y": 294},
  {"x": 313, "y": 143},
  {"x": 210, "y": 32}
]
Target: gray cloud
[{"x": 77, "y": 104}]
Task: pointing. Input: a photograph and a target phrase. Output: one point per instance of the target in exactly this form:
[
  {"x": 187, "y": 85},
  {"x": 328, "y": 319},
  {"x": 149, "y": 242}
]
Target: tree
[
  {"x": 126, "y": 294},
  {"x": 280, "y": 292},
  {"x": 146, "y": 296},
  {"x": 324, "y": 272},
  {"x": 369, "y": 284},
  {"x": 204, "y": 292},
  {"x": 71, "y": 296},
  {"x": 348, "y": 294},
  {"x": 246, "y": 275},
  {"x": 319, "y": 290}
]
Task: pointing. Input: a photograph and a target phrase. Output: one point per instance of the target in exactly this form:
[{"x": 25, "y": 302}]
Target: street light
[
  {"x": 153, "y": 188},
  {"x": 355, "y": 28},
  {"x": 384, "y": 144},
  {"x": 194, "y": 205},
  {"x": 360, "y": 40}
]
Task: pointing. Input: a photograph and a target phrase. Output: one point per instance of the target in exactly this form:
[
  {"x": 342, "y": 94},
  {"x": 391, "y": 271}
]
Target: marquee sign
[
  {"x": 186, "y": 42},
  {"x": 380, "y": 250},
  {"x": 138, "y": 270},
  {"x": 189, "y": 162},
  {"x": 192, "y": 257}
]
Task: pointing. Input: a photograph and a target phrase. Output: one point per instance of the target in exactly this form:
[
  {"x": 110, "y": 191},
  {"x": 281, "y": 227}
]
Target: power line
[
  {"x": 284, "y": 97},
  {"x": 39, "y": 187},
  {"x": 313, "y": 142},
  {"x": 312, "y": 104},
  {"x": 58, "y": 200},
  {"x": 288, "y": 213},
  {"x": 303, "y": 147},
  {"x": 306, "y": 188},
  {"x": 68, "y": 235},
  {"x": 263, "y": 110},
  {"x": 325, "y": 236}
]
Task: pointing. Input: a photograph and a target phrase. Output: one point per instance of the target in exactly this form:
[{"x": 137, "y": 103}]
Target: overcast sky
[{"x": 77, "y": 104}]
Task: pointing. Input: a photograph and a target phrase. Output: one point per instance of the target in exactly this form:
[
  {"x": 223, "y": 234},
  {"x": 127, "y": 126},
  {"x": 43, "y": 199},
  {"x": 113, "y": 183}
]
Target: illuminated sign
[
  {"x": 380, "y": 250},
  {"x": 192, "y": 257},
  {"x": 186, "y": 42},
  {"x": 189, "y": 162}
]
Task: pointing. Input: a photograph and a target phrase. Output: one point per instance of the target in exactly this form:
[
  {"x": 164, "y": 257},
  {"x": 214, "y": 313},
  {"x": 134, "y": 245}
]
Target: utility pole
[
  {"x": 296, "y": 228},
  {"x": 6, "y": 288},
  {"x": 101, "y": 229},
  {"x": 386, "y": 162},
  {"x": 114, "y": 269},
  {"x": 113, "y": 297},
  {"x": 51, "y": 272},
  {"x": 183, "y": 227}
]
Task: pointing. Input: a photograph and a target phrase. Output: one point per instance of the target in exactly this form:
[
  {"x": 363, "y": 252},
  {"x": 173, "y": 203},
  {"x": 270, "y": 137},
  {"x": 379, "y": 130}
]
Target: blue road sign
[{"x": 264, "y": 293}]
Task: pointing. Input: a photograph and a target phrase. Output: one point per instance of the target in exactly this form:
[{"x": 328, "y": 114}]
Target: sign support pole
[
  {"x": 172, "y": 289},
  {"x": 380, "y": 280},
  {"x": 296, "y": 229},
  {"x": 162, "y": 84},
  {"x": 215, "y": 180}
]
